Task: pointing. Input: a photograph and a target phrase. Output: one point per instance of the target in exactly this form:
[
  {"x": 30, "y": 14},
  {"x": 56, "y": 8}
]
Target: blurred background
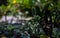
[{"x": 29, "y": 18}]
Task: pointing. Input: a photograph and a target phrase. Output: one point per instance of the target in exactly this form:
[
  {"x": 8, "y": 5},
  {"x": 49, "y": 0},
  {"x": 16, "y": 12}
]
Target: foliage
[{"x": 32, "y": 25}]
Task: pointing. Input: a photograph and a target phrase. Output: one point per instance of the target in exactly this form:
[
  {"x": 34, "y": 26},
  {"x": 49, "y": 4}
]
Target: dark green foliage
[{"x": 3, "y": 2}]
